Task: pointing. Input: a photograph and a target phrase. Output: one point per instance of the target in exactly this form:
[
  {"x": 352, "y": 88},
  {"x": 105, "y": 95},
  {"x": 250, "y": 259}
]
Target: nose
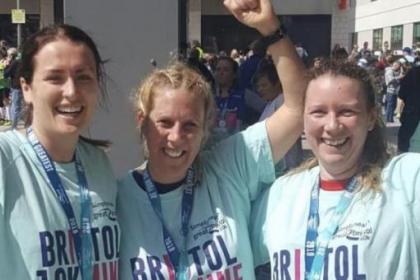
[
  {"x": 332, "y": 123},
  {"x": 70, "y": 88},
  {"x": 175, "y": 133}
]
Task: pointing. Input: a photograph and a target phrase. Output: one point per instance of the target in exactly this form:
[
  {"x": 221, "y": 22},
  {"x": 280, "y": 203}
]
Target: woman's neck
[
  {"x": 59, "y": 148},
  {"x": 165, "y": 177},
  {"x": 335, "y": 175}
]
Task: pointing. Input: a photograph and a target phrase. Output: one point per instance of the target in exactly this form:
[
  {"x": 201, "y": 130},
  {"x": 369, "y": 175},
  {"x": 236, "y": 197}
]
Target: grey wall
[{"x": 128, "y": 33}]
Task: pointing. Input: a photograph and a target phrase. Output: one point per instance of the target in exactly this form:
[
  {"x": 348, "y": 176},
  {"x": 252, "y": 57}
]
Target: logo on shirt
[
  {"x": 358, "y": 231},
  {"x": 103, "y": 210},
  {"x": 213, "y": 224},
  {"x": 59, "y": 259}
]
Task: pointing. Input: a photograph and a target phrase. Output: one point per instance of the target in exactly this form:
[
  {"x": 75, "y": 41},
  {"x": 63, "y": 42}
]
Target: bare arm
[{"x": 286, "y": 124}]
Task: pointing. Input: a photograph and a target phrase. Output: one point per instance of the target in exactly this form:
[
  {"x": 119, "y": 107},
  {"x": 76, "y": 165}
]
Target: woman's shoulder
[
  {"x": 91, "y": 149},
  {"x": 93, "y": 155},
  {"x": 10, "y": 141},
  {"x": 402, "y": 175},
  {"x": 299, "y": 174},
  {"x": 405, "y": 163}
]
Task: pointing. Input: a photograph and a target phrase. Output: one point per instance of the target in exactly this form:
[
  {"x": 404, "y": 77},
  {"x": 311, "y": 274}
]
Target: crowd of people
[{"x": 223, "y": 193}]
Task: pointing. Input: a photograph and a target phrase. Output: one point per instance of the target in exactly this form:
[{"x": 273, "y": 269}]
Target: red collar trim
[{"x": 333, "y": 185}]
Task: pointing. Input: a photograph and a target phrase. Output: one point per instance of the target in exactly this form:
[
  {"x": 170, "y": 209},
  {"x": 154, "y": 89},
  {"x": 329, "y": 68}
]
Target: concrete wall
[
  {"x": 283, "y": 7},
  {"x": 46, "y": 8},
  {"x": 342, "y": 26},
  {"x": 128, "y": 33},
  {"x": 194, "y": 20}
]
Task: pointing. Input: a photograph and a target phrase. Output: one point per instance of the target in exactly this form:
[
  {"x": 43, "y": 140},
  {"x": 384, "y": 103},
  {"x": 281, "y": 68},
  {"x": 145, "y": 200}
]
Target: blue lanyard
[
  {"x": 222, "y": 104},
  {"x": 81, "y": 236},
  {"x": 178, "y": 259},
  {"x": 316, "y": 245}
]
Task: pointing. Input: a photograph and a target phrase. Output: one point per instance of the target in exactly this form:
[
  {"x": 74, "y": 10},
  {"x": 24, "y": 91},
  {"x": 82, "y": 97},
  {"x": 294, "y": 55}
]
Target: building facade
[
  {"x": 308, "y": 22},
  {"x": 39, "y": 13},
  {"x": 376, "y": 22}
]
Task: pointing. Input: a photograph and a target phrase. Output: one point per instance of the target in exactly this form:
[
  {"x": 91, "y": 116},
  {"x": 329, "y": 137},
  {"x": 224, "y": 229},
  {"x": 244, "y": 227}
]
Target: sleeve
[
  {"x": 3, "y": 167},
  {"x": 415, "y": 141},
  {"x": 258, "y": 218},
  {"x": 405, "y": 177},
  {"x": 246, "y": 158}
]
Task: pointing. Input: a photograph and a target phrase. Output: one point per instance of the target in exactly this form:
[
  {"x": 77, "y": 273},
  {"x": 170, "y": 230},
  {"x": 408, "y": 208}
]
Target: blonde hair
[
  {"x": 176, "y": 76},
  {"x": 374, "y": 155}
]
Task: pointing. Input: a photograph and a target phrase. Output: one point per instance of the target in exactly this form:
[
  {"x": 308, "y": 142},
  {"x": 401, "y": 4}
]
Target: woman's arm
[{"x": 286, "y": 124}]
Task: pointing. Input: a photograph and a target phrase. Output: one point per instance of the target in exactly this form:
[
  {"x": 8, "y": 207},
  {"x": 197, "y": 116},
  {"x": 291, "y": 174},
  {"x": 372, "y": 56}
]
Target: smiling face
[
  {"x": 337, "y": 122},
  {"x": 64, "y": 89},
  {"x": 174, "y": 132}
]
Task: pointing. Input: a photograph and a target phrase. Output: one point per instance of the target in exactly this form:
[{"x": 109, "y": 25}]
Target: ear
[
  {"x": 26, "y": 90},
  {"x": 140, "y": 119},
  {"x": 373, "y": 119}
]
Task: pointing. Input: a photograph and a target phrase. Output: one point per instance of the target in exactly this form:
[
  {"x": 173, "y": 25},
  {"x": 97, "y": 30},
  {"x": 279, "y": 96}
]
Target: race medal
[{"x": 222, "y": 123}]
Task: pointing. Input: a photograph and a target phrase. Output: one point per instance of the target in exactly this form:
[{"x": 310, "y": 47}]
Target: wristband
[{"x": 277, "y": 35}]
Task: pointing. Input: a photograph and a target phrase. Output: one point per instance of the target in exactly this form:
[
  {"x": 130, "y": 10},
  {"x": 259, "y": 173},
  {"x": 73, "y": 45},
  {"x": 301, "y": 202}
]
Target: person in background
[
  {"x": 254, "y": 104},
  {"x": 11, "y": 73},
  {"x": 269, "y": 87},
  {"x": 349, "y": 210},
  {"x": 194, "y": 61},
  {"x": 229, "y": 100},
  {"x": 57, "y": 189},
  {"x": 4, "y": 87},
  {"x": 393, "y": 76},
  {"x": 185, "y": 213},
  {"x": 410, "y": 116}
]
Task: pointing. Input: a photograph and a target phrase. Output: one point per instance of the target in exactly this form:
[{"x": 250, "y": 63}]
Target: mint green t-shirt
[
  {"x": 415, "y": 141},
  {"x": 35, "y": 237},
  {"x": 218, "y": 243},
  {"x": 378, "y": 238}
]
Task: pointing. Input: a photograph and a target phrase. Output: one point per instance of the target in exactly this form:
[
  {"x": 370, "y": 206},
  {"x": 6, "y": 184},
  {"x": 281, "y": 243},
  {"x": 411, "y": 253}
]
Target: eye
[
  {"x": 54, "y": 79},
  {"x": 348, "y": 112},
  {"x": 317, "y": 113},
  {"x": 85, "y": 77},
  {"x": 190, "y": 126},
  {"x": 164, "y": 123}
]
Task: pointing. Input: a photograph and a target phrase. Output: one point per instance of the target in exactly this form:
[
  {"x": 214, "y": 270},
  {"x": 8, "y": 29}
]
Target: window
[
  {"x": 396, "y": 37},
  {"x": 416, "y": 33},
  {"x": 377, "y": 39}
]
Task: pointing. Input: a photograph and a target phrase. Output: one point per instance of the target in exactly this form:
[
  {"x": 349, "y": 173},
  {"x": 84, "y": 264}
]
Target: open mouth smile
[
  {"x": 69, "y": 110},
  {"x": 173, "y": 153},
  {"x": 335, "y": 143}
]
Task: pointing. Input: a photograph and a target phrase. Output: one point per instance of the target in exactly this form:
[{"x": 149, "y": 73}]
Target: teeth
[
  {"x": 335, "y": 142},
  {"x": 173, "y": 153},
  {"x": 70, "y": 109}
]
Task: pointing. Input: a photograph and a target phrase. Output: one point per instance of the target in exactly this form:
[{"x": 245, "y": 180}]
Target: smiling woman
[
  {"x": 54, "y": 184},
  {"x": 185, "y": 213},
  {"x": 349, "y": 210}
]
